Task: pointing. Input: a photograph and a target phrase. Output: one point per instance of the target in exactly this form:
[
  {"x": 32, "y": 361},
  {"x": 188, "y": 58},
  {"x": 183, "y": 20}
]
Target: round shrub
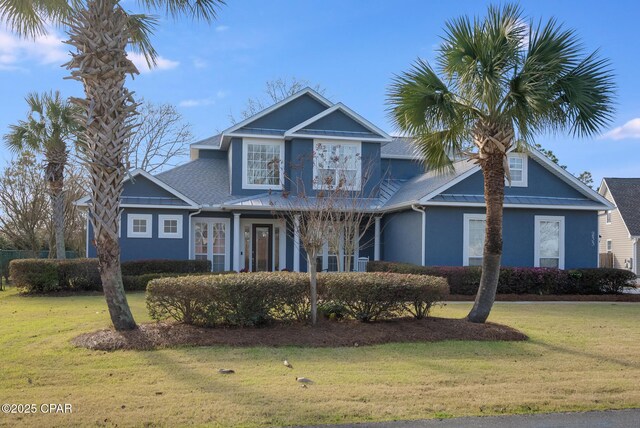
[
  {"x": 372, "y": 296},
  {"x": 247, "y": 299},
  {"x": 253, "y": 299},
  {"x": 34, "y": 275}
]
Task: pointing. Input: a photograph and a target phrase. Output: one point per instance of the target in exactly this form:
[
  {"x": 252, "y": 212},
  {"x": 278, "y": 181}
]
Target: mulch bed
[
  {"x": 325, "y": 334},
  {"x": 552, "y": 298}
]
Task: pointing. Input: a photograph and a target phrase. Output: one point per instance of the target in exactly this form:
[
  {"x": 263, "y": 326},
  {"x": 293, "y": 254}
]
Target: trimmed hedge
[
  {"x": 33, "y": 276},
  {"x": 144, "y": 267},
  {"x": 465, "y": 280},
  {"x": 372, "y": 296},
  {"x": 253, "y": 299}
]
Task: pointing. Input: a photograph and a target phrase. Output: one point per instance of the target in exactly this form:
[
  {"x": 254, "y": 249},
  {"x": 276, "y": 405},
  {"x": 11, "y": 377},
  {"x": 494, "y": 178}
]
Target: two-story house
[
  {"x": 223, "y": 205},
  {"x": 620, "y": 227}
]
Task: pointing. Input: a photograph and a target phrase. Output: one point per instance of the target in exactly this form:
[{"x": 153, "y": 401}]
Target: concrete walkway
[{"x": 604, "y": 419}]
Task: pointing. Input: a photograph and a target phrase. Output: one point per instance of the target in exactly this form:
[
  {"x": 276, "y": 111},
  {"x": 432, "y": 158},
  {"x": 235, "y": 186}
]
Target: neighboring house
[
  {"x": 222, "y": 205},
  {"x": 620, "y": 227}
]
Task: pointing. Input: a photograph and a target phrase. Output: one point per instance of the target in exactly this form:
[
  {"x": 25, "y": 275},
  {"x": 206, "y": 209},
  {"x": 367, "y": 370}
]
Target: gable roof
[
  {"x": 424, "y": 186},
  {"x": 306, "y": 91},
  {"x": 626, "y": 196},
  {"x": 370, "y": 132},
  {"x": 399, "y": 148},
  {"x": 179, "y": 199},
  {"x": 204, "y": 180}
]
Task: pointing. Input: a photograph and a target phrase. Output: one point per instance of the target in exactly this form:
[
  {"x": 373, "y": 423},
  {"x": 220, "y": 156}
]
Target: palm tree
[
  {"x": 49, "y": 125},
  {"x": 498, "y": 83},
  {"x": 100, "y": 32}
]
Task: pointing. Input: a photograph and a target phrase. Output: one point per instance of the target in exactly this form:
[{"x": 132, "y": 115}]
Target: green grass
[{"x": 580, "y": 357}]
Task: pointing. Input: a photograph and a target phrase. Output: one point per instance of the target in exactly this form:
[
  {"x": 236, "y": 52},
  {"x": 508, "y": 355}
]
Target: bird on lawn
[
  {"x": 287, "y": 364},
  {"x": 226, "y": 371},
  {"x": 304, "y": 380}
]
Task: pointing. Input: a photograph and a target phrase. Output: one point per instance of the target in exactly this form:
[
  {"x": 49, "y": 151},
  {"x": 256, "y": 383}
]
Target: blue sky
[{"x": 352, "y": 48}]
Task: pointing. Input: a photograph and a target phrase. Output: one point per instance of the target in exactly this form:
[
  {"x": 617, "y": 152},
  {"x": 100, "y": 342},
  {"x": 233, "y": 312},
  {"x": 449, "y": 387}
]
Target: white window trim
[
  {"x": 149, "y": 220},
  {"x": 357, "y": 144},
  {"x": 162, "y": 218},
  {"x": 536, "y": 248},
  {"x": 262, "y": 142},
  {"x": 227, "y": 239},
  {"x": 609, "y": 246},
  {"x": 608, "y": 216},
  {"x": 525, "y": 174},
  {"x": 465, "y": 235}
]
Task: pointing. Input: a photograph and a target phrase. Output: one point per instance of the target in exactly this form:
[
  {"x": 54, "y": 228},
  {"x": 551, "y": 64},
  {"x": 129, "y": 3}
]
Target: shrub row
[
  {"x": 253, "y": 299},
  {"x": 49, "y": 275},
  {"x": 465, "y": 280}
]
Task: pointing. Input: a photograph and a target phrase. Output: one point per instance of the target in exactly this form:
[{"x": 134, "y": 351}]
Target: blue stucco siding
[
  {"x": 140, "y": 186},
  {"x": 401, "y": 236},
  {"x": 337, "y": 121},
  {"x": 370, "y": 160},
  {"x": 149, "y": 248},
  {"x": 444, "y": 236},
  {"x": 299, "y": 165},
  {"x": 401, "y": 169},
  {"x": 541, "y": 182},
  {"x": 212, "y": 154},
  {"x": 289, "y": 115}
]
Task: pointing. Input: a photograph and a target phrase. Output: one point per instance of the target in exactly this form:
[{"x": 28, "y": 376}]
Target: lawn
[{"x": 581, "y": 356}]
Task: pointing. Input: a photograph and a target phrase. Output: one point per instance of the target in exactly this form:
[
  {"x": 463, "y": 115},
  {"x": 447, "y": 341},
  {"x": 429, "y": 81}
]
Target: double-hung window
[
  {"x": 473, "y": 237},
  {"x": 518, "y": 169},
  {"x": 170, "y": 226},
  {"x": 549, "y": 242},
  {"x": 139, "y": 225},
  {"x": 262, "y": 163},
  {"x": 608, "y": 216},
  {"x": 336, "y": 165}
]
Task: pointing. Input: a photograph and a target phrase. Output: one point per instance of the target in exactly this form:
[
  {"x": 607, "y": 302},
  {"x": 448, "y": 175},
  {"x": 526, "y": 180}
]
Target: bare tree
[
  {"x": 336, "y": 211},
  {"x": 161, "y": 138},
  {"x": 354, "y": 217},
  {"x": 275, "y": 90},
  {"x": 24, "y": 203}
]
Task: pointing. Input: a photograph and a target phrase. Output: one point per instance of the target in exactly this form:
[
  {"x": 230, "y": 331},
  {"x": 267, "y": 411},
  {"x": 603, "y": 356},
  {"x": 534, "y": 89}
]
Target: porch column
[
  {"x": 296, "y": 243},
  {"x": 236, "y": 241},
  {"x": 376, "y": 240}
]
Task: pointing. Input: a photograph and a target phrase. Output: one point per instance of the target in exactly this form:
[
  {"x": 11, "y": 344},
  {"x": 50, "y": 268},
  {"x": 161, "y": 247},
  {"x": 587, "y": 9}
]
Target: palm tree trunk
[
  {"x": 99, "y": 34},
  {"x": 55, "y": 177},
  {"x": 492, "y": 161}
]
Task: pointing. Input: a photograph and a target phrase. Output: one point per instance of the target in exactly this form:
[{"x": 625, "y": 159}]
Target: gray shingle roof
[
  {"x": 418, "y": 187},
  {"x": 211, "y": 141},
  {"x": 205, "y": 181},
  {"x": 626, "y": 194},
  {"x": 399, "y": 146}
]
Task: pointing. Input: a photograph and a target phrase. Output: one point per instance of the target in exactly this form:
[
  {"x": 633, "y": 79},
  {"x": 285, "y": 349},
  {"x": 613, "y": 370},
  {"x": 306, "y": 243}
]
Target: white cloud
[
  {"x": 222, "y": 94},
  {"x": 222, "y": 28},
  {"x": 141, "y": 63},
  {"x": 197, "y": 102},
  {"x": 630, "y": 130},
  {"x": 47, "y": 49}
]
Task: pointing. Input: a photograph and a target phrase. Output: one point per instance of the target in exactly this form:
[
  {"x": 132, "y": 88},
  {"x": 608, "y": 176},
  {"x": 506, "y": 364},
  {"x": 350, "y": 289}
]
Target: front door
[{"x": 262, "y": 251}]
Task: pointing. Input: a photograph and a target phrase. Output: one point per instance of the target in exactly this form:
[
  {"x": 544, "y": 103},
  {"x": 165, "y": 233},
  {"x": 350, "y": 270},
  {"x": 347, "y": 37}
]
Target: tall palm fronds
[
  {"x": 499, "y": 81},
  {"x": 100, "y": 31},
  {"x": 49, "y": 127}
]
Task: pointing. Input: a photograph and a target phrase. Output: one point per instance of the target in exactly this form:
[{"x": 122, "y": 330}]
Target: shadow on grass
[{"x": 585, "y": 354}]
